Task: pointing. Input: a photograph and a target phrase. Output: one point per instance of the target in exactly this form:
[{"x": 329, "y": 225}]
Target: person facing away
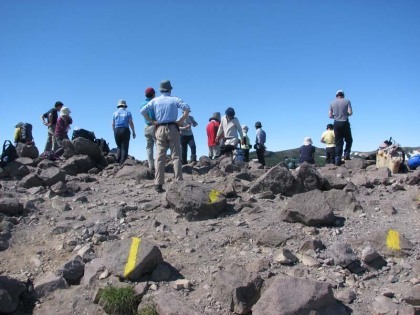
[
  {"x": 187, "y": 139},
  {"x": 149, "y": 129},
  {"x": 166, "y": 109},
  {"x": 328, "y": 138},
  {"x": 260, "y": 138},
  {"x": 245, "y": 144},
  {"x": 61, "y": 128},
  {"x": 340, "y": 110},
  {"x": 229, "y": 129},
  {"x": 23, "y": 134},
  {"x": 211, "y": 129},
  {"x": 49, "y": 119},
  {"x": 307, "y": 151},
  {"x": 122, "y": 121}
]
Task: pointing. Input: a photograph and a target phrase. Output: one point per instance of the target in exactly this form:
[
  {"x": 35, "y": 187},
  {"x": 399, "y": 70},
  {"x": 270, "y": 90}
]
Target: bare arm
[
  {"x": 130, "y": 122},
  {"x": 183, "y": 117}
]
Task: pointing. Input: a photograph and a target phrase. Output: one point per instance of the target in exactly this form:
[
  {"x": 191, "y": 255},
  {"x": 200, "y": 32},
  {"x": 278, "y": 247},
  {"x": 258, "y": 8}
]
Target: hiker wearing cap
[
  {"x": 61, "y": 128},
  {"x": 149, "y": 129},
  {"x": 187, "y": 139},
  {"x": 49, "y": 119},
  {"x": 260, "y": 138},
  {"x": 122, "y": 121},
  {"x": 246, "y": 144},
  {"x": 229, "y": 129},
  {"x": 328, "y": 138},
  {"x": 307, "y": 151},
  {"x": 340, "y": 110},
  {"x": 166, "y": 109},
  {"x": 211, "y": 130}
]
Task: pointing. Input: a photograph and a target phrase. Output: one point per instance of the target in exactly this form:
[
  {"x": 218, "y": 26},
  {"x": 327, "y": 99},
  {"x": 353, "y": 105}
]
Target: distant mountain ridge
[{"x": 273, "y": 158}]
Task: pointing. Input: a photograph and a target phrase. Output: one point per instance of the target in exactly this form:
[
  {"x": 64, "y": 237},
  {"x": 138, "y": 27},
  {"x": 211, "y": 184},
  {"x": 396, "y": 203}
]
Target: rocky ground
[{"x": 228, "y": 239}]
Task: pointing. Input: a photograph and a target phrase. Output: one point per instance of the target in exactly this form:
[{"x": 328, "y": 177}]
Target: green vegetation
[
  {"x": 119, "y": 301},
  {"x": 148, "y": 309}
]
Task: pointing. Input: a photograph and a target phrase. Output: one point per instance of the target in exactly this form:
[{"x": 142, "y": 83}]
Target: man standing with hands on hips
[{"x": 165, "y": 108}]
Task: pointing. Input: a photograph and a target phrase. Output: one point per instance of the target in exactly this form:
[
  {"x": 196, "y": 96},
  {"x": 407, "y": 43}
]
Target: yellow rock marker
[
  {"x": 393, "y": 239},
  {"x": 132, "y": 255},
  {"x": 214, "y": 195}
]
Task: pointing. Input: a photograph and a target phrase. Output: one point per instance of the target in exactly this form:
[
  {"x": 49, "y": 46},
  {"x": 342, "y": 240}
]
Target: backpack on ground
[
  {"x": 25, "y": 132},
  {"x": 49, "y": 155},
  {"x": 391, "y": 155},
  {"x": 8, "y": 154},
  {"x": 413, "y": 162},
  {"x": 103, "y": 145},
  {"x": 239, "y": 155},
  {"x": 83, "y": 133}
]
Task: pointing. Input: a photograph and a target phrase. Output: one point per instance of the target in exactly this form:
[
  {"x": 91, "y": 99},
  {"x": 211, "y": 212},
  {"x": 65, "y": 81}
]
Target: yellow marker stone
[
  {"x": 393, "y": 240},
  {"x": 132, "y": 256},
  {"x": 214, "y": 195}
]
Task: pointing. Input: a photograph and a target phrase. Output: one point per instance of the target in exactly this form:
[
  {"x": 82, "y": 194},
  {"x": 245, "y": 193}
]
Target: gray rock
[
  {"x": 278, "y": 180},
  {"x": 272, "y": 238},
  {"x": 72, "y": 270},
  {"x": 60, "y": 205},
  {"x": 380, "y": 176},
  {"x": 342, "y": 254},
  {"x": 29, "y": 151},
  {"x": 384, "y": 306},
  {"x": 195, "y": 201},
  {"x": 126, "y": 260},
  {"x": 30, "y": 180},
  {"x": 10, "y": 291},
  {"x": 236, "y": 289},
  {"x": 308, "y": 178},
  {"x": 59, "y": 188},
  {"x": 369, "y": 254},
  {"x": 77, "y": 164},
  {"x": 412, "y": 297},
  {"x": 347, "y": 296},
  {"x": 15, "y": 169},
  {"x": 52, "y": 175},
  {"x": 340, "y": 200},
  {"x": 92, "y": 269},
  {"x": 48, "y": 283},
  {"x": 161, "y": 273},
  {"x": 169, "y": 304},
  {"x": 335, "y": 182},
  {"x": 390, "y": 243},
  {"x": 294, "y": 296},
  {"x": 84, "y": 146},
  {"x": 10, "y": 206},
  {"x": 309, "y": 208}
]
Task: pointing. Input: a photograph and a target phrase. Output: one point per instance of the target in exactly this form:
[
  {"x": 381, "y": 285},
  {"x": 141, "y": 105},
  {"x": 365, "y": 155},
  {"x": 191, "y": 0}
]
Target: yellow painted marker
[
  {"x": 393, "y": 240},
  {"x": 132, "y": 256},
  {"x": 214, "y": 195}
]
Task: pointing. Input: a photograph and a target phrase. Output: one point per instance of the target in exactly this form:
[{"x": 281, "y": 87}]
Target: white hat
[
  {"x": 64, "y": 111},
  {"x": 307, "y": 141},
  {"x": 245, "y": 127},
  {"x": 122, "y": 103},
  {"x": 338, "y": 92}
]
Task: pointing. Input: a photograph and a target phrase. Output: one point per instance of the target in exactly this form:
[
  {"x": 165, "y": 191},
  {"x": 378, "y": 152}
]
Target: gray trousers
[
  {"x": 167, "y": 137},
  {"x": 51, "y": 144},
  {"x": 149, "y": 133}
]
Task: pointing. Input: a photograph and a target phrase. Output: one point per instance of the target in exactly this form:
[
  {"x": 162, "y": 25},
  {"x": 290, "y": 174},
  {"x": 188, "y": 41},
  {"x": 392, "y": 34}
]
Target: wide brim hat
[
  {"x": 216, "y": 116},
  {"x": 307, "y": 141},
  {"x": 122, "y": 103},
  {"x": 165, "y": 86},
  {"x": 65, "y": 111}
]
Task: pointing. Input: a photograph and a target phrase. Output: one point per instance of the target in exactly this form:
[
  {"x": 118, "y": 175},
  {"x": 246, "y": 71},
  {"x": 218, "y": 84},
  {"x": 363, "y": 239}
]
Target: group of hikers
[{"x": 165, "y": 131}]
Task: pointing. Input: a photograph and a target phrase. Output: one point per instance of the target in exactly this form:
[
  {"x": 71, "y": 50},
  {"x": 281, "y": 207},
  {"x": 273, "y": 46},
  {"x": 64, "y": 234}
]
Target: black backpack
[
  {"x": 103, "y": 145},
  {"x": 9, "y": 153},
  {"x": 90, "y": 135}
]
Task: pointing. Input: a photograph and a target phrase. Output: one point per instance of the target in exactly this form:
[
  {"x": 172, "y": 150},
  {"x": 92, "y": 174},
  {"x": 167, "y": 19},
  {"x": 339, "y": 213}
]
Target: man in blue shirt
[
  {"x": 149, "y": 129},
  {"x": 259, "y": 146},
  {"x": 121, "y": 121},
  {"x": 165, "y": 108}
]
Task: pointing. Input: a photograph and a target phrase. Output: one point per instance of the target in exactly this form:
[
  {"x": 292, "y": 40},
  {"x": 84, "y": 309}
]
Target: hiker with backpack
[
  {"x": 149, "y": 129},
  {"x": 260, "y": 138},
  {"x": 246, "y": 144},
  {"x": 307, "y": 151},
  {"x": 340, "y": 110},
  {"x": 49, "y": 119},
  {"x": 167, "y": 125},
  {"x": 187, "y": 140},
  {"x": 211, "y": 130},
  {"x": 61, "y": 129},
  {"x": 328, "y": 138},
  {"x": 23, "y": 133},
  {"x": 122, "y": 121},
  {"x": 229, "y": 129}
]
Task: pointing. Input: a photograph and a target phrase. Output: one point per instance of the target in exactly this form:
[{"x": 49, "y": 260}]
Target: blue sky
[{"x": 278, "y": 62}]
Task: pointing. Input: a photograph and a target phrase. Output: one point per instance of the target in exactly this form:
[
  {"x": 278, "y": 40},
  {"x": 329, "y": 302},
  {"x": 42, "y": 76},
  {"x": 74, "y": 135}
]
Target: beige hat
[
  {"x": 307, "y": 141},
  {"x": 122, "y": 103},
  {"x": 64, "y": 111}
]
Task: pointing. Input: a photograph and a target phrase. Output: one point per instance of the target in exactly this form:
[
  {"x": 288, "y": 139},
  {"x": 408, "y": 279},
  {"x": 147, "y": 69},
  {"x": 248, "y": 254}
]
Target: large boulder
[
  {"x": 278, "y": 180},
  {"x": 169, "y": 303},
  {"x": 295, "y": 296},
  {"x": 308, "y": 178},
  {"x": 340, "y": 200},
  {"x": 131, "y": 258},
  {"x": 10, "y": 291},
  {"x": 77, "y": 164},
  {"x": 25, "y": 150},
  {"x": 310, "y": 208},
  {"x": 30, "y": 180},
  {"x": 10, "y": 206},
  {"x": 52, "y": 175},
  {"x": 195, "y": 201},
  {"x": 84, "y": 146},
  {"x": 72, "y": 270}
]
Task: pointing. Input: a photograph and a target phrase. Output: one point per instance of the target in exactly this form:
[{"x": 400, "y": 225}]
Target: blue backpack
[{"x": 413, "y": 162}]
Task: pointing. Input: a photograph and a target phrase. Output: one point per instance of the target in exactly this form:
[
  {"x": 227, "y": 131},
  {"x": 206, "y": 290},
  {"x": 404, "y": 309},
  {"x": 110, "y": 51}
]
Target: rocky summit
[{"x": 228, "y": 239}]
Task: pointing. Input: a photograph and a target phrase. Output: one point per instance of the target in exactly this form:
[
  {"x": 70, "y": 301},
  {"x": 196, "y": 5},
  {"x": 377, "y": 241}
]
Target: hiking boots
[
  {"x": 347, "y": 157},
  {"x": 159, "y": 189}
]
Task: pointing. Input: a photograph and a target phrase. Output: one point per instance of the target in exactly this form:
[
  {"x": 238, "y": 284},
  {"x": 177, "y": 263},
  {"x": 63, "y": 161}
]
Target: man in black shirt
[{"x": 49, "y": 119}]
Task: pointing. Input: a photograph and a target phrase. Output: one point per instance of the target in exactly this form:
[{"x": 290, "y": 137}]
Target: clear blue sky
[{"x": 279, "y": 62}]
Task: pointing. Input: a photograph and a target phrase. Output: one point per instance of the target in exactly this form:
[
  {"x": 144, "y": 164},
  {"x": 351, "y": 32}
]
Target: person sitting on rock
[{"x": 307, "y": 151}]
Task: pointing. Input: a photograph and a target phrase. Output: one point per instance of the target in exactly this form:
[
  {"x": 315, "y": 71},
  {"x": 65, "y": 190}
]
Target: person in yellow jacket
[
  {"x": 245, "y": 143},
  {"x": 328, "y": 138}
]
